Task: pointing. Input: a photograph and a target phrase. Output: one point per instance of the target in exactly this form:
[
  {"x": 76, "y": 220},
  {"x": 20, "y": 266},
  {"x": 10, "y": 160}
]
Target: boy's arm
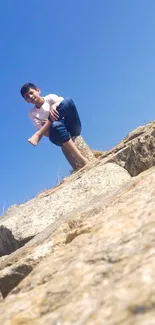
[
  {"x": 44, "y": 130},
  {"x": 36, "y": 122},
  {"x": 54, "y": 115},
  {"x": 55, "y": 105},
  {"x": 55, "y": 101}
]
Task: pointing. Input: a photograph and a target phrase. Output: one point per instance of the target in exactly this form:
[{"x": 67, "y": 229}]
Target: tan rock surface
[
  {"x": 136, "y": 152},
  {"x": 100, "y": 269},
  {"x": 30, "y": 218},
  {"x": 92, "y": 260}
]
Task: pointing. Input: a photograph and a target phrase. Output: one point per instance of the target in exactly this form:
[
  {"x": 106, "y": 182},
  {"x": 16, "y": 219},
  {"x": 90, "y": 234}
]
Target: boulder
[
  {"x": 136, "y": 152},
  {"x": 97, "y": 266},
  {"x": 29, "y": 219}
]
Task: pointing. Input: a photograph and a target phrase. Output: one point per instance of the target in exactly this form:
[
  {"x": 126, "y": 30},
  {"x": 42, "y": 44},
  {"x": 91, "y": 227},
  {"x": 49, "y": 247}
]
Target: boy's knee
[
  {"x": 58, "y": 133},
  {"x": 55, "y": 125}
]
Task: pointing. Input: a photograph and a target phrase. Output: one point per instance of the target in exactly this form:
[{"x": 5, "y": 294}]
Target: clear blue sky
[{"x": 101, "y": 53}]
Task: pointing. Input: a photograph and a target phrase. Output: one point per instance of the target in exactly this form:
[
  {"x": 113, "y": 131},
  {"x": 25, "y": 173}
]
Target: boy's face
[{"x": 33, "y": 96}]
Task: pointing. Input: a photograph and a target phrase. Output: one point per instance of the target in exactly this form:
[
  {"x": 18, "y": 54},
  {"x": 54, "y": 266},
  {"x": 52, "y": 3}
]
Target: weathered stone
[
  {"x": 32, "y": 217},
  {"x": 56, "y": 235},
  {"x": 92, "y": 260},
  {"x": 136, "y": 152},
  {"x": 103, "y": 269},
  {"x": 8, "y": 243}
]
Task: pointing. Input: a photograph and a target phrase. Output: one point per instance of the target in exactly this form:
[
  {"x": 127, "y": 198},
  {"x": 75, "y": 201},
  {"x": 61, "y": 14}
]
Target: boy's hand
[{"x": 54, "y": 115}]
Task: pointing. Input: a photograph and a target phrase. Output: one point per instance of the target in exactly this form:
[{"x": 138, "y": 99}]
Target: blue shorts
[{"x": 67, "y": 126}]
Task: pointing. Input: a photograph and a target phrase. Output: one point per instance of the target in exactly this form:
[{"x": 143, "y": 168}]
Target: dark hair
[{"x": 25, "y": 88}]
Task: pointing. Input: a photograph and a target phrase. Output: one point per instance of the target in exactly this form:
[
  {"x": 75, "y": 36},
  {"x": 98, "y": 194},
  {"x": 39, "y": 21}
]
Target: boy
[{"x": 54, "y": 117}]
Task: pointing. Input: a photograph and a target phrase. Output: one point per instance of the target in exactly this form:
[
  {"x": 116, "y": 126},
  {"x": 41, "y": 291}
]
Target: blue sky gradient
[{"x": 101, "y": 53}]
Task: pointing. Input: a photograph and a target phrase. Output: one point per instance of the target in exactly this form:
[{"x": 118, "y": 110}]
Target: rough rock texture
[
  {"x": 95, "y": 264},
  {"x": 136, "y": 152},
  {"x": 32, "y": 217},
  {"x": 100, "y": 269},
  {"x": 8, "y": 243}
]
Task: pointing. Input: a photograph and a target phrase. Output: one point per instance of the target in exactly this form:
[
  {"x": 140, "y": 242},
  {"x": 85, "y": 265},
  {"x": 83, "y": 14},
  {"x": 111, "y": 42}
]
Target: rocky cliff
[{"x": 83, "y": 252}]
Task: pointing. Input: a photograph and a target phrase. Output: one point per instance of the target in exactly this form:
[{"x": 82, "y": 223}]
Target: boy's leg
[
  {"x": 39, "y": 134},
  {"x": 69, "y": 114},
  {"x": 73, "y": 125},
  {"x": 61, "y": 137},
  {"x": 67, "y": 126},
  {"x": 71, "y": 159},
  {"x": 71, "y": 147}
]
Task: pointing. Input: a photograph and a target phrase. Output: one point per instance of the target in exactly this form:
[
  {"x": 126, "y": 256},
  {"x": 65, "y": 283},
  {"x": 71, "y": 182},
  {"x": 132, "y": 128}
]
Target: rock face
[
  {"x": 136, "y": 152},
  {"x": 32, "y": 217},
  {"x": 8, "y": 243},
  {"x": 94, "y": 263}
]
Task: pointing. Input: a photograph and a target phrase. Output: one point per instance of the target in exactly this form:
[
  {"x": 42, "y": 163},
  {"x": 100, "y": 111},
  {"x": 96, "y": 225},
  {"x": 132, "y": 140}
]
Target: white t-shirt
[{"x": 40, "y": 115}]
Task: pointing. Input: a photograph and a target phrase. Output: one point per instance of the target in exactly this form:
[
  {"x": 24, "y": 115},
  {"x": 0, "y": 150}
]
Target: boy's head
[{"x": 31, "y": 93}]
